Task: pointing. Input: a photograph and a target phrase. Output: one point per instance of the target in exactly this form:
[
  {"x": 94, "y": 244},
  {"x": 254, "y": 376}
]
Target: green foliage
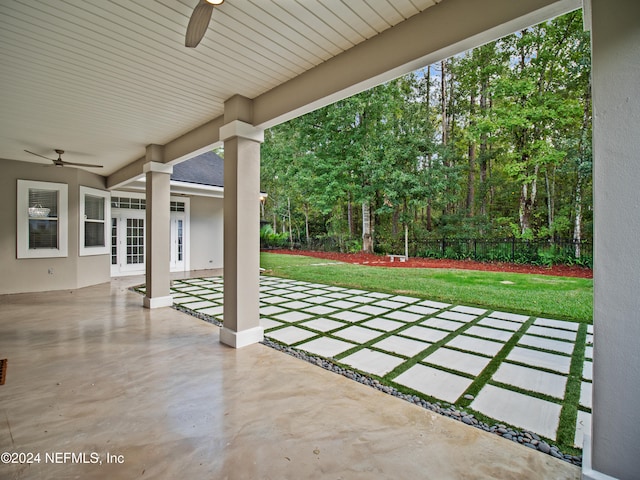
[
  {"x": 271, "y": 239},
  {"x": 491, "y": 143}
]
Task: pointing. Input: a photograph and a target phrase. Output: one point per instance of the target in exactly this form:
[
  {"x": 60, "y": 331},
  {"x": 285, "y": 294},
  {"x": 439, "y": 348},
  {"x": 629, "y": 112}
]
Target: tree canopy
[{"x": 495, "y": 142}]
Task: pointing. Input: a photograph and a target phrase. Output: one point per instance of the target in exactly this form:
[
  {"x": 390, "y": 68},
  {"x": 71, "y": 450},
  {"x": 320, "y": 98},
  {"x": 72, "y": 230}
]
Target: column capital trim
[
  {"x": 237, "y": 128},
  {"x": 157, "y": 167}
]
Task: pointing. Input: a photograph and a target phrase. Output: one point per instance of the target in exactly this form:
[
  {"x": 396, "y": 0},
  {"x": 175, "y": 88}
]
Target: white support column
[
  {"x": 157, "y": 229},
  {"x": 241, "y": 325},
  {"x": 615, "y": 435}
]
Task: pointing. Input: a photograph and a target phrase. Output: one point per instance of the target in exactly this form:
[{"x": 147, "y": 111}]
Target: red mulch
[{"x": 383, "y": 261}]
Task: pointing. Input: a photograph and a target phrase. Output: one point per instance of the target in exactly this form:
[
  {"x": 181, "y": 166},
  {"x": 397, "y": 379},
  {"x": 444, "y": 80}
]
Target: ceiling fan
[
  {"x": 199, "y": 21},
  {"x": 58, "y": 162}
]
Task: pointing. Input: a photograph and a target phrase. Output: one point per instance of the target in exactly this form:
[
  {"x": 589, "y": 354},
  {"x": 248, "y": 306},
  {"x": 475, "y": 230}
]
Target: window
[
  {"x": 42, "y": 219},
  {"x": 94, "y": 215}
]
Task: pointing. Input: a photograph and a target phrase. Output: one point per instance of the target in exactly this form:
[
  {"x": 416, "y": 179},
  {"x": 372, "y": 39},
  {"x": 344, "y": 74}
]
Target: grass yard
[{"x": 564, "y": 298}]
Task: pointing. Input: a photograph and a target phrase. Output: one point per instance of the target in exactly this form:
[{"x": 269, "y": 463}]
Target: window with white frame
[
  {"x": 42, "y": 219},
  {"x": 94, "y": 217}
]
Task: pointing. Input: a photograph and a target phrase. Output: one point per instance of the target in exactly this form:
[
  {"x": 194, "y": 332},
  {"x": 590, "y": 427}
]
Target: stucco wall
[
  {"x": 43, "y": 274},
  {"x": 206, "y": 233},
  {"x": 616, "y": 361}
]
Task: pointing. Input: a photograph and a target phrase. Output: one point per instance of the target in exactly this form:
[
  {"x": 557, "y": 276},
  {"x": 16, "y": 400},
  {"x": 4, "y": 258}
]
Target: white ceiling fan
[
  {"x": 58, "y": 162},
  {"x": 199, "y": 21}
]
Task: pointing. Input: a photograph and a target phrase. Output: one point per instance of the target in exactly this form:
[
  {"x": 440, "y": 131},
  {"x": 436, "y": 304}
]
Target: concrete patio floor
[{"x": 91, "y": 371}]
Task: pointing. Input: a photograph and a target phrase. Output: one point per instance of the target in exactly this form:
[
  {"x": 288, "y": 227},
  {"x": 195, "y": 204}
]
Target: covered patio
[
  {"x": 113, "y": 85},
  {"x": 158, "y": 392}
]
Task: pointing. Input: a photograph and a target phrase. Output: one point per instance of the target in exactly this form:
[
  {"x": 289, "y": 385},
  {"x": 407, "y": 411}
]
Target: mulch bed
[{"x": 383, "y": 261}]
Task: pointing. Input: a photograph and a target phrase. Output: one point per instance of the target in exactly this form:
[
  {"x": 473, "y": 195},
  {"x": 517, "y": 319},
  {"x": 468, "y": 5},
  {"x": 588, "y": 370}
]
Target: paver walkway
[{"x": 439, "y": 351}]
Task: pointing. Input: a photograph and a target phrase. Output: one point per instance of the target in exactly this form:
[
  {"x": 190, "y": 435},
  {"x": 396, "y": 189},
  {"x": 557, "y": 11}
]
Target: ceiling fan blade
[
  {"x": 198, "y": 24},
  {"x": 74, "y": 164},
  {"x": 41, "y": 156}
]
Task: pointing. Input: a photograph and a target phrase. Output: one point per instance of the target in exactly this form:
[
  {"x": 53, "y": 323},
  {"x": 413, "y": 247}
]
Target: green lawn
[{"x": 562, "y": 298}]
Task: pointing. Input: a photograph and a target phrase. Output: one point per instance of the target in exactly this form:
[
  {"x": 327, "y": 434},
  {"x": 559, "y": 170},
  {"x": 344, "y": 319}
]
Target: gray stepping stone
[
  {"x": 350, "y": 316},
  {"x": 433, "y": 382},
  {"x": 477, "y": 345},
  {"x": 280, "y": 292},
  {"x": 423, "y": 333},
  {"x": 297, "y": 305},
  {"x": 443, "y": 324},
  {"x": 497, "y": 323},
  {"x": 320, "y": 310},
  {"x": 273, "y": 299},
  {"x": 316, "y": 291},
  {"x": 378, "y": 295},
  {"x": 589, "y": 339},
  {"x": 552, "y": 332},
  {"x": 491, "y": 333},
  {"x": 530, "y": 379},
  {"x": 297, "y": 296},
  {"x": 583, "y": 425},
  {"x": 299, "y": 288},
  {"x": 319, "y": 299},
  {"x": 371, "y": 361},
  {"x": 289, "y": 335},
  {"x": 419, "y": 309},
  {"x": 470, "y": 310},
  {"x": 587, "y": 371},
  {"x": 213, "y": 296},
  {"x": 358, "y": 334},
  {"x": 546, "y": 322},
  {"x": 268, "y": 323},
  {"x": 342, "y": 304},
  {"x": 335, "y": 289},
  {"x": 400, "y": 345},
  {"x": 547, "y": 344},
  {"x": 535, "y": 358},
  {"x": 323, "y": 324},
  {"x": 185, "y": 300},
  {"x": 362, "y": 299},
  {"x": 438, "y": 305},
  {"x": 188, "y": 288},
  {"x": 326, "y": 347},
  {"x": 460, "y": 361},
  {"x": 534, "y": 414},
  {"x": 389, "y": 304},
  {"x": 200, "y": 304},
  {"x": 404, "y": 299},
  {"x": 588, "y": 352},
  {"x": 514, "y": 317},
  {"x": 371, "y": 310},
  {"x": 217, "y": 310},
  {"x": 292, "y": 316},
  {"x": 271, "y": 310},
  {"x": 354, "y": 291},
  {"x": 586, "y": 394},
  {"x": 403, "y": 316},
  {"x": 457, "y": 316},
  {"x": 382, "y": 324},
  {"x": 590, "y": 329},
  {"x": 338, "y": 295}
]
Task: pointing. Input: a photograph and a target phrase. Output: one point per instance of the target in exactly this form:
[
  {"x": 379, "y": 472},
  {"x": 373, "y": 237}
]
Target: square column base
[
  {"x": 157, "y": 302},
  {"x": 242, "y": 338},
  {"x": 589, "y": 473}
]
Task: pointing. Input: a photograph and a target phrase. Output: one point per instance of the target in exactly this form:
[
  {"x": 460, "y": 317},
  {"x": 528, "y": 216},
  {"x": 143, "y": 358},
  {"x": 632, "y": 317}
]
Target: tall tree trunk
[
  {"x": 290, "y": 228},
  {"x": 350, "y": 215},
  {"x": 550, "y": 184},
  {"x": 306, "y": 224},
  {"x": 471, "y": 178},
  {"x": 528, "y": 195},
  {"x": 367, "y": 233},
  {"x": 484, "y": 163}
]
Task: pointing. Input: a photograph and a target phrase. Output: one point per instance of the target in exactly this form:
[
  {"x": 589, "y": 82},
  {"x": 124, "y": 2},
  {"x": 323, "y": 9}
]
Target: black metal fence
[{"x": 535, "y": 252}]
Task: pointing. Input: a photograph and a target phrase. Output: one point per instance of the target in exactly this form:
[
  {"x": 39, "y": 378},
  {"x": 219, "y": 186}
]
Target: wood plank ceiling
[{"x": 104, "y": 78}]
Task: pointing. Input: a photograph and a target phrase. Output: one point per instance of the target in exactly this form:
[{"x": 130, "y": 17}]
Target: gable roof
[{"x": 205, "y": 169}]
